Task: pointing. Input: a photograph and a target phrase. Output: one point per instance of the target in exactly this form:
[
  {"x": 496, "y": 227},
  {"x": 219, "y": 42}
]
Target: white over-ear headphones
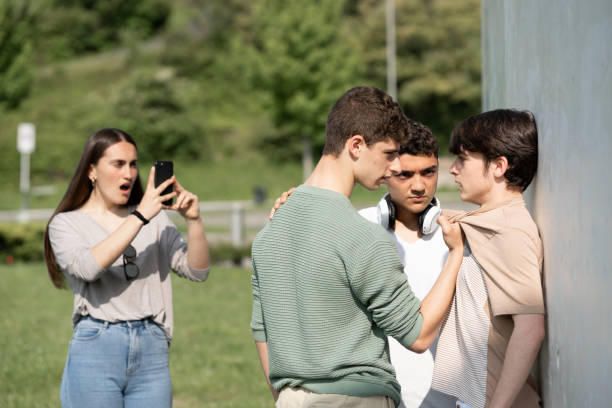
[
  {"x": 386, "y": 211},
  {"x": 429, "y": 216}
]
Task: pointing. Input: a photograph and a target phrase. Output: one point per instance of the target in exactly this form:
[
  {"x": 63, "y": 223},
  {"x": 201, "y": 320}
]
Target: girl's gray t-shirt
[{"x": 104, "y": 293}]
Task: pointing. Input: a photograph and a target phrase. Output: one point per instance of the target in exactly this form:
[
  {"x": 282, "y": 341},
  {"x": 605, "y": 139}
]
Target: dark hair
[
  {"x": 502, "y": 132},
  {"x": 419, "y": 141},
  {"x": 365, "y": 111},
  {"x": 80, "y": 188}
]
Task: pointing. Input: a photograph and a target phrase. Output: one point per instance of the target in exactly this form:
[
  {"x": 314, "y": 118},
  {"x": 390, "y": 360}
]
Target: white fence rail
[{"x": 229, "y": 221}]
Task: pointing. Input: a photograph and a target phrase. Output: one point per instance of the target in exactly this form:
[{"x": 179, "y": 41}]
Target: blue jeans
[{"x": 118, "y": 365}]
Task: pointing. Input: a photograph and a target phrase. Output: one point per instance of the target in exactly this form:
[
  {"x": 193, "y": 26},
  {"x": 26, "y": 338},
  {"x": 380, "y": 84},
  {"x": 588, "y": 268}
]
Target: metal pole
[
  {"x": 237, "y": 225},
  {"x": 24, "y": 181},
  {"x": 26, "y": 143},
  {"x": 391, "y": 68}
]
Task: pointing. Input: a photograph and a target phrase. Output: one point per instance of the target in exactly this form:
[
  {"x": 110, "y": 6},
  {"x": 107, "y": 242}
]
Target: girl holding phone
[{"x": 112, "y": 243}]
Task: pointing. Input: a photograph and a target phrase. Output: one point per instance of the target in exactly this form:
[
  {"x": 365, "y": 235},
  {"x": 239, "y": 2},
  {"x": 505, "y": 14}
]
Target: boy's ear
[
  {"x": 499, "y": 166},
  {"x": 354, "y": 144}
]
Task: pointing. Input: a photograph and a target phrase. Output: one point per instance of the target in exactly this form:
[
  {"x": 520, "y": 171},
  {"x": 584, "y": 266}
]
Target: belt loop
[
  {"x": 106, "y": 323},
  {"x": 129, "y": 324}
]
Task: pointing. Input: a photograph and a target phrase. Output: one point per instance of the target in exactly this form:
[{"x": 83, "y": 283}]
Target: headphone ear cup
[
  {"x": 386, "y": 212},
  {"x": 392, "y": 212},
  {"x": 428, "y": 217}
]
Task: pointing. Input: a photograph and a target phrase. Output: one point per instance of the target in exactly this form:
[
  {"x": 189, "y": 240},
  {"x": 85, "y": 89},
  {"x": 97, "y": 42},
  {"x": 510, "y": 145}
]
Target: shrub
[
  {"x": 228, "y": 252},
  {"x": 22, "y": 242}
]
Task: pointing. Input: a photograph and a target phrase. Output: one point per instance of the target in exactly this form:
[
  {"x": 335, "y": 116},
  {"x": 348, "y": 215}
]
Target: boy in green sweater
[{"x": 328, "y": 286}]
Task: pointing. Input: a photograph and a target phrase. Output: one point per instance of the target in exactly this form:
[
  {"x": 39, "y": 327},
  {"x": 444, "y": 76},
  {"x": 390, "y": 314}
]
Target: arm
[
  {"x": 188, "y": 206},
  {"x": 523, "y": 347},
  {"x": 198, "y": 256},
  {"x": 89, "y": 263},
  {"x": 108, "y": 250},
  {"x": 262, "y": 350},
  {"x": 189, "y": 259},
  {"x": 259, "y": 331},
  {"x": 438, "y": 300},
  {"x": 377, "y": 279}
]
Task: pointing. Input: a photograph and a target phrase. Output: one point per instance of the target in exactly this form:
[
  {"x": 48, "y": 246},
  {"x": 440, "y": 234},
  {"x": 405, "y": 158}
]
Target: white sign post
[{"x": 26, "y": 143}]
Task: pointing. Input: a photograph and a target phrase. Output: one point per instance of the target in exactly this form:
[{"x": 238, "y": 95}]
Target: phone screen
[{"x": 163, "y": 171}]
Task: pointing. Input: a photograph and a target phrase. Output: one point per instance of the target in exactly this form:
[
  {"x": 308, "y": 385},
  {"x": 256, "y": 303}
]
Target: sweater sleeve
[
  {"x": 377, "y": 279},
  {"x": 73, "y": 256},
  {"x": 176, "y": 246},
  {"x": 257, "y": 323}
]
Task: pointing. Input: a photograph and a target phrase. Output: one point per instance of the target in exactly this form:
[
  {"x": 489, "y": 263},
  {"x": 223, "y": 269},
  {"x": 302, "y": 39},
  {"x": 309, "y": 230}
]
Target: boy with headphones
[
  {"x": 328, "y": 286},
  {"x": 408, "y": 211}
]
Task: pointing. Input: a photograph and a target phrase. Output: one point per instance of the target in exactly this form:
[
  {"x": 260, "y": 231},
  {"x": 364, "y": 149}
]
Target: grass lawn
[{"x": 213, "y": 360}]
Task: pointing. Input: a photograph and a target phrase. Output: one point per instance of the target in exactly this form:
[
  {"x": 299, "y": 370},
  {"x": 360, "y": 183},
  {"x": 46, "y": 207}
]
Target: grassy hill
[{"x": 71, "y": 99}]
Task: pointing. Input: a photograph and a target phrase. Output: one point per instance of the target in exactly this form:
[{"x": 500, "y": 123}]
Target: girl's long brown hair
[{"x": 80, "y": 188}]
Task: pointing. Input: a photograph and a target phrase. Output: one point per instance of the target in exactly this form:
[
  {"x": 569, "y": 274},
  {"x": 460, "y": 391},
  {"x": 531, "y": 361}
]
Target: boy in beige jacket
[{"x": 495, "y": 327}]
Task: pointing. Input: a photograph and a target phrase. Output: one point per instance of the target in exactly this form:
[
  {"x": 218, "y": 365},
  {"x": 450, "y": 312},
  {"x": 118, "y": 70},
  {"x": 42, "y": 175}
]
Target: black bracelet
[{"x": 140, "y": 217}]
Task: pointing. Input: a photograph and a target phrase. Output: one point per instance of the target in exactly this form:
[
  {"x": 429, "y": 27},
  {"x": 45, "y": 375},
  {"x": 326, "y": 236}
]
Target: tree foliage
[
  {"x": 259, "y": 75},
  {"x": 66, "y": 28},
  {"x": 15, "y": 53},
  {"x": 150, "y": 110},
  {"x": 298, "y": 53},
  {"x": 438, "y": 57}
]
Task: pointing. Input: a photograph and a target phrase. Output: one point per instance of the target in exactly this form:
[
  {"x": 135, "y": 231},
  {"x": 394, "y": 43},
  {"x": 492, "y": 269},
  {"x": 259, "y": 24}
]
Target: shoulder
[
  {"x": 66, "y": 216},
  {"x": 519, "y": 229},
  {"x": 517, "y": 241},
  {"x": 69, "y": 219}
]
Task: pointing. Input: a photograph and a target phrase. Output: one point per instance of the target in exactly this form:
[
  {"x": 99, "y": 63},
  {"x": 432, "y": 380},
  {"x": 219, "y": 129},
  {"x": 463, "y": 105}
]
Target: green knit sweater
[{"x": 328, "y": 286}]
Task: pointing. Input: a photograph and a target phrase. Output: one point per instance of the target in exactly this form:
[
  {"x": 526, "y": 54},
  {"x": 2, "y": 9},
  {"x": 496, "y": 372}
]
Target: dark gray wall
[{"x": 554, "y": 57}]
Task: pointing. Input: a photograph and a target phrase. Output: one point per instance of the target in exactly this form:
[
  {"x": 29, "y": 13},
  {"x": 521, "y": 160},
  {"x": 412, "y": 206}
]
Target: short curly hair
[{"x": 420, "y": 140}]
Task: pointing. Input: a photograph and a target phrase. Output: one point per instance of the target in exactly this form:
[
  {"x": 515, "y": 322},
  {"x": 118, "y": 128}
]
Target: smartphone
[{"x": 163, "y": 171}]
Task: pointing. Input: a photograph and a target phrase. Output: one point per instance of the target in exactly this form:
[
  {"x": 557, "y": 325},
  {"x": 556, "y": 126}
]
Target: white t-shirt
[{"x": 423, "y": 260}]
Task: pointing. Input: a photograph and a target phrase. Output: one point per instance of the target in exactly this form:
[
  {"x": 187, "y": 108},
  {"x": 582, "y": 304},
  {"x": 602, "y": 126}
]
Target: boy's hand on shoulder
[{"x": 280, "y": 201}]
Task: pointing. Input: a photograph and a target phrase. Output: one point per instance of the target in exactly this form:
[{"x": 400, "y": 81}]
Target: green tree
[
  {"x": 199, "y": 40},
  {"x": 438, "y": 57},
  {"x": 15, "y": 53},
  {"x": 66, "y": 28},
  {"x": 299, "y": 55},
  {"x": 151, "y": 111}
]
